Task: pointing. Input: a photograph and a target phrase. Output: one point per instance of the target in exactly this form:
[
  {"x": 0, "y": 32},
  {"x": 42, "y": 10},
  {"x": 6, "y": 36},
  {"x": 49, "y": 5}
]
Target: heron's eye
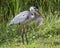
[
  {"x": 23, "y": 15},
  {"x": 34, "y": 8},
  {"x": 31, "y": 14}
]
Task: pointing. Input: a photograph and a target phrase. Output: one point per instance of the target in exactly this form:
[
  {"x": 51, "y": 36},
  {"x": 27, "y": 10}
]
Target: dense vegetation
[{"x": 45, "y": 36}]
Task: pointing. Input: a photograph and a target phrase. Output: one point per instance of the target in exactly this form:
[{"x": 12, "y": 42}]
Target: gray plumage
[
  {"x": 22, "y": 18},
  {"x": 27, "y": 16},
  {"x": 38, "y": 21}
]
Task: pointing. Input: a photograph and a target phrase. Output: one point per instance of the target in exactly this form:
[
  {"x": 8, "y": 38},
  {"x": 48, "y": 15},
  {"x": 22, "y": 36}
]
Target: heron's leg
[
  {"x": 26, "y": 29},
  {"x": 26, "y": 38},
  {"x": 22, "y": 35}
]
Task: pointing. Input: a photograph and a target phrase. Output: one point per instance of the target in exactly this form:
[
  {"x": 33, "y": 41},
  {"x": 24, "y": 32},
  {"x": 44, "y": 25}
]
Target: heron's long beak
[{"x": 38, "y": 13}]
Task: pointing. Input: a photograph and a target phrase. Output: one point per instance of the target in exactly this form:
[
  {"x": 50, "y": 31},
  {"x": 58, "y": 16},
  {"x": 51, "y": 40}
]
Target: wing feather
[{"x": 20, "y": 18}]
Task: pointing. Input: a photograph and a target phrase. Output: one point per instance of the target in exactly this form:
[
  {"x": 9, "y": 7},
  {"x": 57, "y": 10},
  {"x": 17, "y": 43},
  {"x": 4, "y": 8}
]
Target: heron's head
[
  {"x": 33, "y": 9},
  {"x": 36, "y": 12}
]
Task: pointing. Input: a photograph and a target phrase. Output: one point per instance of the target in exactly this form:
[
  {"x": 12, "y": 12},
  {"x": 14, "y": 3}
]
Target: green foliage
[{"x": 49, "y": 31}]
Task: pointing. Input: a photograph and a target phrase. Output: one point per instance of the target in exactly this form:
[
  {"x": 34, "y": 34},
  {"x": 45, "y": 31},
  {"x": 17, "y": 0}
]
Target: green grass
[
  {"x": 45, "y": 36},
  {"x": 53, "y": 42}
]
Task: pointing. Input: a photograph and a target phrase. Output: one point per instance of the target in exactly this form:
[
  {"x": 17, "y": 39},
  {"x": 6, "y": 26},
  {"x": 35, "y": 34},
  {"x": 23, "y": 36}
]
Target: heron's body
[
  {"x": 22, "y": 18},
  {"x": 38, "y": 20}
]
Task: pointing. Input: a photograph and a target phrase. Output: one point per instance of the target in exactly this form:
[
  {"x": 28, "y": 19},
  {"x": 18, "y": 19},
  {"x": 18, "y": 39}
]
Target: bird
[
  {"x": 38, "y": 17},
  {"x": 25, "y": 17}
]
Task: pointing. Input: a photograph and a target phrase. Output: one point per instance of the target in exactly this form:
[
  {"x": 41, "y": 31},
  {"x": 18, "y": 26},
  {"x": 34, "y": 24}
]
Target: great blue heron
[{"x": 27, "y": 16}]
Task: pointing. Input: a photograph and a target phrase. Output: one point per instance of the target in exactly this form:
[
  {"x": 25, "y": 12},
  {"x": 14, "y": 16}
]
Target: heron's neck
[{"x": 38, "y": 14}]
